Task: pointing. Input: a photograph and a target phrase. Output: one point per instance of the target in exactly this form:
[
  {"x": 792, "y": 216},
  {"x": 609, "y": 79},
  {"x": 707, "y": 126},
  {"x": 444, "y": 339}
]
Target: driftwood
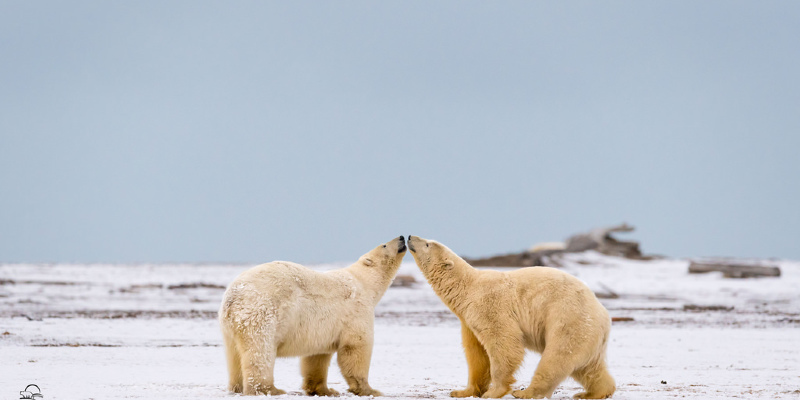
[
  {"x": 621, "y": 319},
  {"x": 600, "y": 239},
  {"x": 403, "y": 281},
  {"x": 546, "y": 254},
  {"x": 523, "y": 259},
  {"x": 697, "y": 308},
  {"x": 734, "y": 270}
]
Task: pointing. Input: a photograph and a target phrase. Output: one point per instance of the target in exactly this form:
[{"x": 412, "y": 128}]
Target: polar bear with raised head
[
  {"x": 503, "y": 313},
  {"x": 282, "y": 309}
]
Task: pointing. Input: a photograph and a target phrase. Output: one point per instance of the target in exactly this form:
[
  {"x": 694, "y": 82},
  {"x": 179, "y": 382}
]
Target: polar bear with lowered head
[
  {"x": 282, "y": 309},
  {"x": 503, "y": 313}
]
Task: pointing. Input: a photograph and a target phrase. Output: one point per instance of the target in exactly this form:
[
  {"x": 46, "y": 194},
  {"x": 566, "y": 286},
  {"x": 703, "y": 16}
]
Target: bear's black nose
[{"x": 402, "y": 239}]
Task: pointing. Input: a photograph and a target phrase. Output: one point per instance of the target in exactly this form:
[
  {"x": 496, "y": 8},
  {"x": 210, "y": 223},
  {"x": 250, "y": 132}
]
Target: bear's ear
[
  {"x": 446, "y": 264},
  {"x": 367, "y": 261}
]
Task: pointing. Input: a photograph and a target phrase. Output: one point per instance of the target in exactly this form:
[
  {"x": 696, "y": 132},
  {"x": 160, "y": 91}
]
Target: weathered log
[
  {"x": 403, "y": 281},
  {"x": 734, "y": 270},
  {"x": 600, "y": 239},
  {"x": 523, "y": 259},
  {"x": 548, "y": 246},
  {"x": 698, "y": 308}
]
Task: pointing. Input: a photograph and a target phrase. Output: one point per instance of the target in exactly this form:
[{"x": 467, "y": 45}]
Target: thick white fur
[
  {"x": 503, "y": 313},
  {"x": 282, "y": 309}
]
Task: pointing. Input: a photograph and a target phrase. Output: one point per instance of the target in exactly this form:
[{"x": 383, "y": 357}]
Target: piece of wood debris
[
  {"x": 403, "y": 281},
  {"x": 734, "y": 270},
  {"x": 695, "y": 307},
  {"x": 621, "y": 319}
]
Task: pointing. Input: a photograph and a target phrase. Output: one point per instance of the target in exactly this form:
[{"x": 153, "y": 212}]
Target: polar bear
[
  {"x": 282, "y": 309},
  {"x": 503, "y": 313}
]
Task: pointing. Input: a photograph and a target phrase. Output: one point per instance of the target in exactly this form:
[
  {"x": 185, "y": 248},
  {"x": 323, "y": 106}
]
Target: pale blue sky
[{"x": 312, "y": 131}]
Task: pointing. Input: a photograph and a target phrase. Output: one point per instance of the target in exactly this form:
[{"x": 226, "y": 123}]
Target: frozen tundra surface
[{"x": 149, "y": 331}]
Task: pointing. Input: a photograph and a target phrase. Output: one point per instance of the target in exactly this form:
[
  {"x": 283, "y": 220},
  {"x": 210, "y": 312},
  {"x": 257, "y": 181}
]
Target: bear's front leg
[
  {"x": 354, "y": 361},
  {"x": 506, "y": 353},
  {"x": 315, "y": 375},
  {"x": 478, "y": 363}
]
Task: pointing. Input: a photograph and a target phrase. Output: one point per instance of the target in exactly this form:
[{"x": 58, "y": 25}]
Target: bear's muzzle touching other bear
[
  {"x": 282, "y": 309},
  {"x": 503, "y": 313}
]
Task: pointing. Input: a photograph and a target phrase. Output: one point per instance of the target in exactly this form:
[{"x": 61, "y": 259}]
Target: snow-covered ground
[{"x": 149, "y": 331}]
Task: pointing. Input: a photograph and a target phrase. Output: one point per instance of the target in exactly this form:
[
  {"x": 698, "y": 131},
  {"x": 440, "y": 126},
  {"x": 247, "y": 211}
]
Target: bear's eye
[
  {"x": 384, "y": 246},
  {"x": 426, "y": 244}
]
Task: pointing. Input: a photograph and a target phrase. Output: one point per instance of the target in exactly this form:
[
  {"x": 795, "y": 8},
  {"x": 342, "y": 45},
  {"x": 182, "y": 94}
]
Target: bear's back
[{"x": 550, "y": 289}]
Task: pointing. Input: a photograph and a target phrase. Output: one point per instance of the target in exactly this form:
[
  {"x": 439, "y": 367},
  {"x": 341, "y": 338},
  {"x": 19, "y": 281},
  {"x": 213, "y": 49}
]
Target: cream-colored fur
[
  {"x": 282, "y": 309},
  {"x": 503, "y": 313}
]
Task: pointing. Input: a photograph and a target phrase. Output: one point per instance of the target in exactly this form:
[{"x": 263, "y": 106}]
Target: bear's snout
[
  {"x": 402, "y": 247},
  {"x": 410, "y": 246}
]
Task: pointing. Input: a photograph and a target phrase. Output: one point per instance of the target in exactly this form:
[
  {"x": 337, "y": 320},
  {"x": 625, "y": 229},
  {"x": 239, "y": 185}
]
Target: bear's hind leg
[
  {"x": 315, "y": 375},
  {"x": 553, "y": 368},
  {"x": 234, "y": 364},
  {"x": 478, "y": 363},
  {"x": 258, "y": 364},
  {"x": 596, "y": 380}
]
